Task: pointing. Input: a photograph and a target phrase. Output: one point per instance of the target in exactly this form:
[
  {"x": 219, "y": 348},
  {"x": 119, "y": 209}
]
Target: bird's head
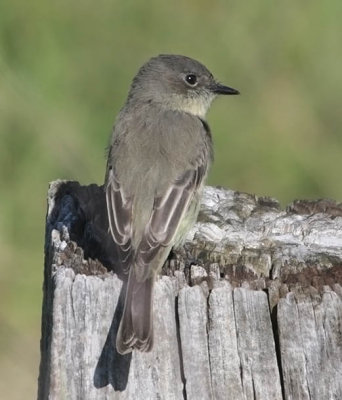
[{"x": 178, "y": 83}]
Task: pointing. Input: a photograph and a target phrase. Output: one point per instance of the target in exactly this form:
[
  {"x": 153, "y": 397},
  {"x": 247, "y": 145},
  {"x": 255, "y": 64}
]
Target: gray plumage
[{"x": 160, "y": 153}]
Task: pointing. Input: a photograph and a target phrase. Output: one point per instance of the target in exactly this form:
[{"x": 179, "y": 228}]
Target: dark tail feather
[{"x": 136, "y": 326}]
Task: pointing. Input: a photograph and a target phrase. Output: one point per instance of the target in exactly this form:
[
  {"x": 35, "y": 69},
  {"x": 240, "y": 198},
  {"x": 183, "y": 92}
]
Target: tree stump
[{"x": 249, "y": 308}]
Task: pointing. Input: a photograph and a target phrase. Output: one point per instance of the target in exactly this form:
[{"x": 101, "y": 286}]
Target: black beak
[{"x": 217, "y": 88}]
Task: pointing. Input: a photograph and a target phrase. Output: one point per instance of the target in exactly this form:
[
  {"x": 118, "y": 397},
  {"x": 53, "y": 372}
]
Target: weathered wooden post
[{"x": 250, "y": 308}]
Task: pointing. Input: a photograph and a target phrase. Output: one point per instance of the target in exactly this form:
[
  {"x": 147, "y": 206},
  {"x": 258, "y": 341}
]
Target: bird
[{"x": 159, "y": 155}]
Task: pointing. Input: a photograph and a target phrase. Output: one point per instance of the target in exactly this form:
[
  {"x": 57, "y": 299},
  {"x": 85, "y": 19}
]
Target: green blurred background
[{"x": 65, "y": 68}]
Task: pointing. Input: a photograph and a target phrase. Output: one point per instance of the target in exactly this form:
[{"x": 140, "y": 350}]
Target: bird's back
[{"x": 164, "y": 144}]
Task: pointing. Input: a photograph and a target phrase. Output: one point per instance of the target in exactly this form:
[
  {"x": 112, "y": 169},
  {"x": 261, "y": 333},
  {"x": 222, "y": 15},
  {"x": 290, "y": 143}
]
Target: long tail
[{"x": 136, "y": 326}]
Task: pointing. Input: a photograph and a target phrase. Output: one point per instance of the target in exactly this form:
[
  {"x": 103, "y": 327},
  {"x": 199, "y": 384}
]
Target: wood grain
[{"x": 249, "y": 308}]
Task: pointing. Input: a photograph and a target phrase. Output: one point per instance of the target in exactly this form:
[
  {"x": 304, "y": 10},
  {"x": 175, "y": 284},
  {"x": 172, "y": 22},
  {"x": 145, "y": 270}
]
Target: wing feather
[
  {"x": 166, "y": 216},
  {"x": 119, "y": 209}
]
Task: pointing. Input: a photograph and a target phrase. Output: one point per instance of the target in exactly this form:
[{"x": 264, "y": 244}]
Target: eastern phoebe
[{"x": 159, "y": 156}]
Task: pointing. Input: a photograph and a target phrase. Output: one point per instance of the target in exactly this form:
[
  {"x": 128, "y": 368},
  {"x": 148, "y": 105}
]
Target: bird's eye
[{"x": 191, "y": 79}]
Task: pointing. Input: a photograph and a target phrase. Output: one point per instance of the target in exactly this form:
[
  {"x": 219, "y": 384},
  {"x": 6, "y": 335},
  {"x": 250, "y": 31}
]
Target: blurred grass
[{"x": 65, "y": 69}]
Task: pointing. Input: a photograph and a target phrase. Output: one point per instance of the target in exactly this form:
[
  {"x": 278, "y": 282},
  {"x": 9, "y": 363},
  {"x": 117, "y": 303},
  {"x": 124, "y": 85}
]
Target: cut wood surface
[{"x": 249, "y": 308}]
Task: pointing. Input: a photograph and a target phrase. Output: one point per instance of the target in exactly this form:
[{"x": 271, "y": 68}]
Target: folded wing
[
  {"x": 119, "y": 208},
  {"x": 167, "y": 214}
]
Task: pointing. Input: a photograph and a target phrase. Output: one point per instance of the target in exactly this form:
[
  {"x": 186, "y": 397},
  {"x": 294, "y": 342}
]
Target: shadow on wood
[{"x": 113, "y": 368}]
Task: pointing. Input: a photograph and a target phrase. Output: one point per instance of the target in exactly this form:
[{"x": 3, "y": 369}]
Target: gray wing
[
  {"x": 119, "y": 208},
  {"x": 136, "y": 326},
  {"x": 166, "y": 216}
]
